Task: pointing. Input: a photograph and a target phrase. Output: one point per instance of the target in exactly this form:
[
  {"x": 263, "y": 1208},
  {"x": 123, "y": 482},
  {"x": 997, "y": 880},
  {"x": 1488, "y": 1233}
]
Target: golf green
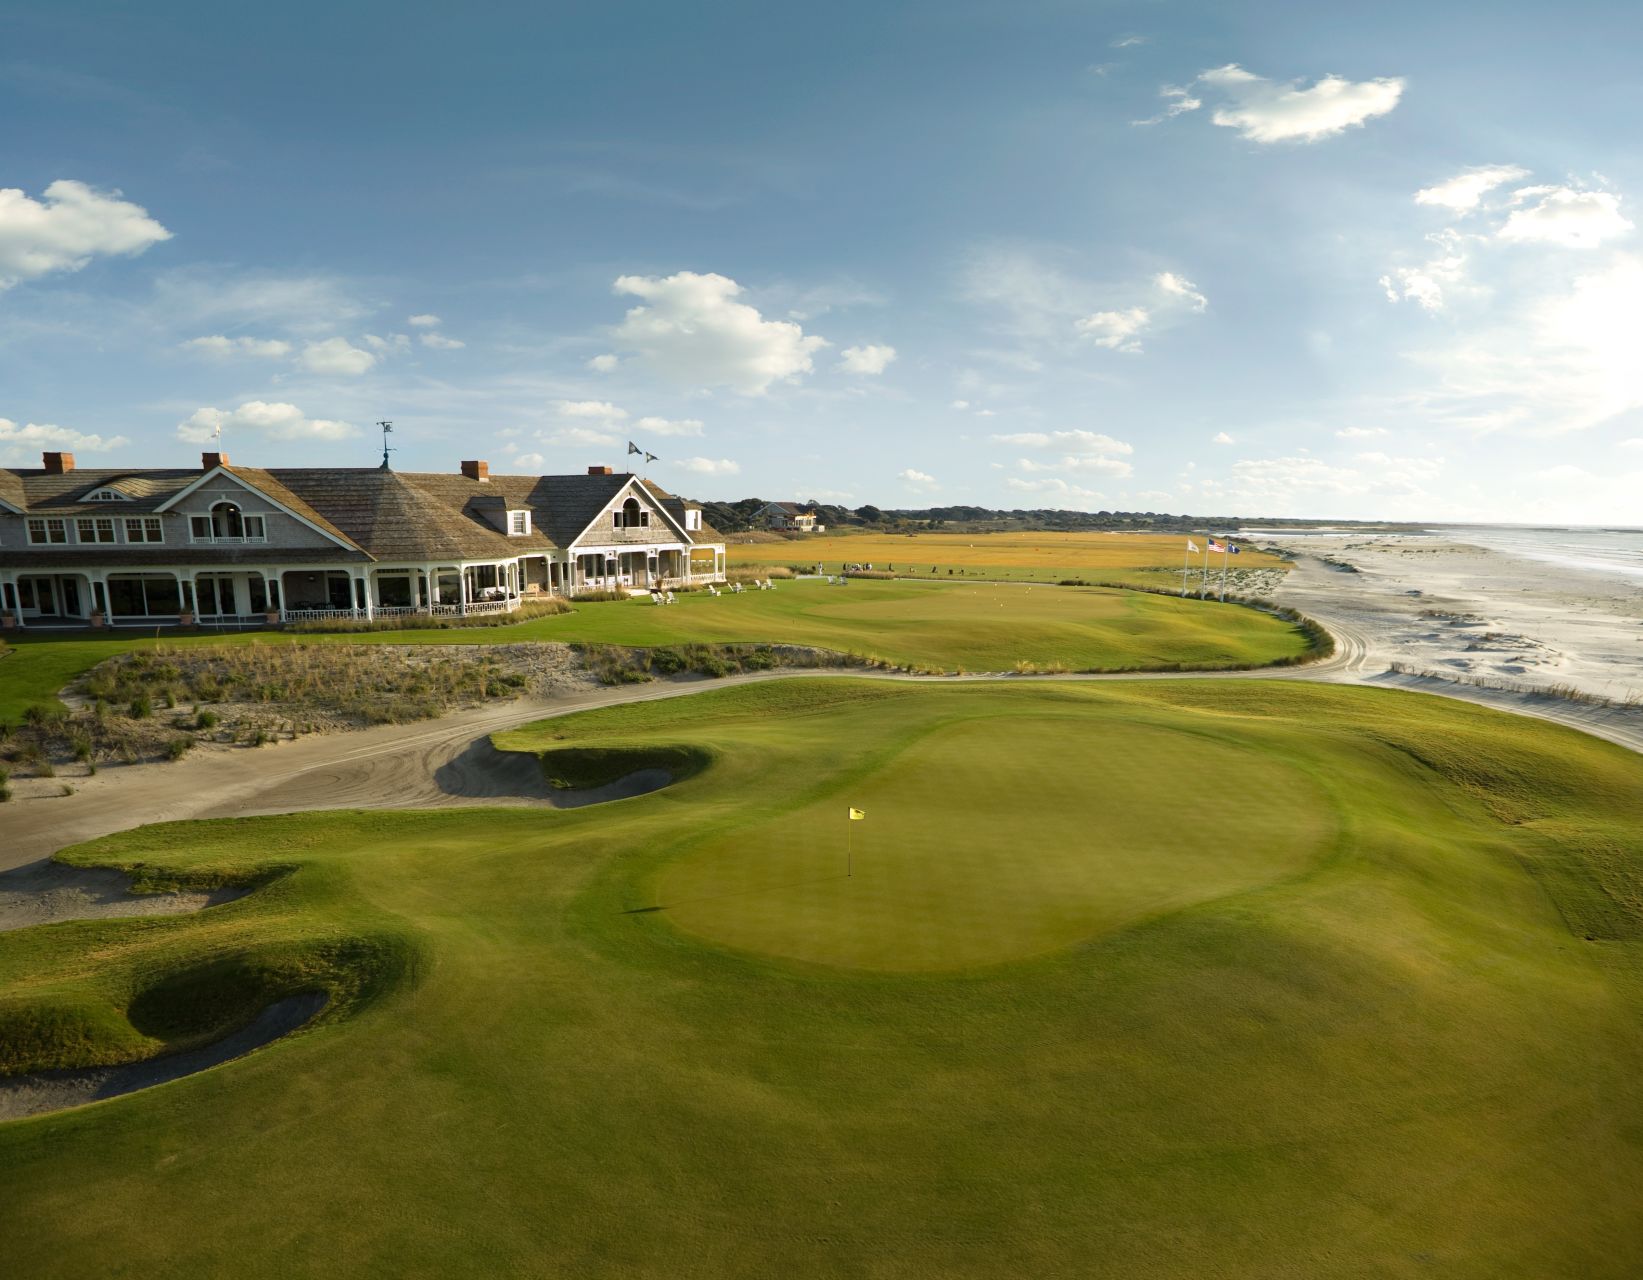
[
  {"x": 1157, "y": 978},
  {"x": 991, "y": 839}
]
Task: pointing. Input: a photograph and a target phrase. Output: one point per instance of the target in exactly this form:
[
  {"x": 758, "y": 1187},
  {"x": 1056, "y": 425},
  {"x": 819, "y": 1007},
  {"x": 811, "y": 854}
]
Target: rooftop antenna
[{"x": 387, "y": 430}]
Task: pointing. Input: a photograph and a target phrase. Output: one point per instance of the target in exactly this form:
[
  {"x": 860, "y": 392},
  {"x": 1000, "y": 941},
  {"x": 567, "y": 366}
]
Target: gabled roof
[
  {"x": 789, "y": 508},
  {"x": 373, "y": 512}
]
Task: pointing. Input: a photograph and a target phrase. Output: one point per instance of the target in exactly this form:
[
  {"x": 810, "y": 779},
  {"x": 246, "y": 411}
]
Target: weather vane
[{"x": 387, "y": 430}]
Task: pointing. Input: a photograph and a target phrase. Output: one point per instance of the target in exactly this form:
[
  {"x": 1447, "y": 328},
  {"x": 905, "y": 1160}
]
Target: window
[
  {"x": 519, "y": 523},
  {"x": 226, "y": 523},
  {"x": 693, "y": 518},
  {"x": 48, "y": 530},
  {"x": 95, "y": 529},
  {"x": 144, "y": 529},
  {"x": 630, "y": 516},
  {"x": 105, "y": 495}
]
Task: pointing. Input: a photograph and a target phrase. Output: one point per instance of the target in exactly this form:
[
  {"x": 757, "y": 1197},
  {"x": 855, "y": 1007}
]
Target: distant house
[
  {"x": 226, "y": 545},
  {"x": 787, "y": 517}
]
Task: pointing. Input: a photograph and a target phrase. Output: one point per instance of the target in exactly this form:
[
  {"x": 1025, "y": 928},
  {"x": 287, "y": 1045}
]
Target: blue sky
[{"x": 1274, "y": 259}]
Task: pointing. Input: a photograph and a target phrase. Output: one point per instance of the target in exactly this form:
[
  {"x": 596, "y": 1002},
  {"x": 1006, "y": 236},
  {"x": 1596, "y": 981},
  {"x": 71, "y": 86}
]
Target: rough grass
[{"x": 1380, "y": 1044}]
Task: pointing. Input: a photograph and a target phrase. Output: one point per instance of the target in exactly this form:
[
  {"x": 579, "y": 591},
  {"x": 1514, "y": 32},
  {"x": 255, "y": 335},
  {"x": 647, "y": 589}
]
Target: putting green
[{"x": 992, "y": 839}]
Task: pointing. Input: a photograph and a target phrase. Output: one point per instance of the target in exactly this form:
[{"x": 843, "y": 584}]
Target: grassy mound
[{"x": 1357, "y": 989}]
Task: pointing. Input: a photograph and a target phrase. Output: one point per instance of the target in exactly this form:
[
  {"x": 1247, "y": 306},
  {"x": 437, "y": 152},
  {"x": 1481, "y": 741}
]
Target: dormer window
[
  {"x": 630, "y": 516},
  {"x": 226, "y": 523},
  {"x": 519, "y": 523},
  {"x": 693, "y": 519},
  {"x": 105, "y": 495}
]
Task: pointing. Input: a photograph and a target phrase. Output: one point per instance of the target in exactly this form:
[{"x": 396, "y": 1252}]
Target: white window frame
[
  {"x": 145, "y": 525},
  {"x": 105, "y": 495},
  {"x": 45, "y": 526},
  {"x": 519, "y": 524},
  {"x": 97, "y": 526}
]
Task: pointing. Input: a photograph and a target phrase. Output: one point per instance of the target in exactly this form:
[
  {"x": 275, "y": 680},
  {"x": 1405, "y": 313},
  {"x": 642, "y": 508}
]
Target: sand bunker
[
  {"x": 638, "y": 783},
  {"x": 45, "y": 892},
  {"x": 32, "y": 1095}
]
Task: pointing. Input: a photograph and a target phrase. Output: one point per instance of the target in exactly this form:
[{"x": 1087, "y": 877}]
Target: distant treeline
[{"x": 738, "y": 516}]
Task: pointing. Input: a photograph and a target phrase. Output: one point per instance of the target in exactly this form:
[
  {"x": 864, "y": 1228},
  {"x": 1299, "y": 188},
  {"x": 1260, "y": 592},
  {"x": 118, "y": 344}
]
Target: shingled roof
[{"x": 373, "y": 512}]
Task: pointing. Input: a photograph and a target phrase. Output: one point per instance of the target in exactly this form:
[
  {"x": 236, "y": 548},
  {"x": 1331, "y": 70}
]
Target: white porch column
[
  {"x": 242, "y": 593},
  {"x": 462, "y": 589}
]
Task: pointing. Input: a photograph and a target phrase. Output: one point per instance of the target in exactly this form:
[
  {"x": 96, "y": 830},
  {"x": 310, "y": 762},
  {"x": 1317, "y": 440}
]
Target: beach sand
[{"x": 1468, "y": 612}]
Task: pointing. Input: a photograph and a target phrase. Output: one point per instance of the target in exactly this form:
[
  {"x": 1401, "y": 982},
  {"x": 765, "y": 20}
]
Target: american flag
[{"x": 1216, "y": 546}]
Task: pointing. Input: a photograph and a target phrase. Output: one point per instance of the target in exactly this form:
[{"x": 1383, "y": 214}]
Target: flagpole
[
  {"x": 1203, "y": 574},
  {"x": 1226, "y": 559},
  {"x": 1184, "y": 556}
]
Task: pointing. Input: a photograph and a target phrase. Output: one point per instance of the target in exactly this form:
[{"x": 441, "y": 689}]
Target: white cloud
[
  {"x": 424, "y": 321},
  {"x": 918, "y": 479},
  {"x": 1635, "y": 443},
  {"x": 1128, "y": 42},
  {"x": 67, "y": 229},
  {"x": 960, "y": 405},
  {"x": 1563, "y": 358},
  {"x": 1053, "y": 487},
  {"x": 1430, "y": 283},
  {"x": 218, "y": 300},
  {"x": 1565, "y": 216},
  {"x": 603, "y": 410},
  {"x": 584, "y": 435},
  {"x": 691, "y": 328},
  {"x": 710, "y": 466},
  {"x": 669, "y": 426},
  {"x": 259, "y": 418},
  {"x": 1080, "y": 451},
  {"x": 1181, "y": 287},
  {"x": 261, "y": 348},
  {"x": 336, "y": 355},
  {"x": 1070, "y": 442},
  {"x": 1117, "y": 330},
  {"x": 532, "y": 461},
  {"x": 1467, "y": 188},
  {"x": 16, "y": 441},
  {"x": 1178, "y": 101},
  {"x": 868, "y": 360},
  {"x": 1305, "y": 485},
  {"x": 393, "y": 344},
  {"x": 1360, "y": 433},
  {"x": 603, "y": 364},
  {"x": 1221, "y": 437},
  {"x": 439, "y": 342},
  {"x": 1268, "y": 111}
]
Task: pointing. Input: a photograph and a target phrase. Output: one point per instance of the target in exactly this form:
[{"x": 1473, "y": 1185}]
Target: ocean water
[{"x": 1596, "y": 550}]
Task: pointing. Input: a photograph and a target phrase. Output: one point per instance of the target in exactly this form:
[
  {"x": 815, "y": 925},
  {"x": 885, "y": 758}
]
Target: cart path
[{"x": 450, "y": 762}]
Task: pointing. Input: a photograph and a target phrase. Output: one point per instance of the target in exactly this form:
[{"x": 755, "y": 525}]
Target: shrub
[
  {"x": 142, "y": 706},
  {"x": 177, "y": 748},
  {"x": 204, "y": 719}
]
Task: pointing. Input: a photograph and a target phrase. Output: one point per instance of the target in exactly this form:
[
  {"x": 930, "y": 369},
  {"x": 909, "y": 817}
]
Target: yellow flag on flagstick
[{"x": 856, "y": 815}]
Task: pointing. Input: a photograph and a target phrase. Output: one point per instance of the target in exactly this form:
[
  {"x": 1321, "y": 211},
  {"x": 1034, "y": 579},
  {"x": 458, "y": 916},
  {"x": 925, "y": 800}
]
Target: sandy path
[{"x": 448, "y": 762}]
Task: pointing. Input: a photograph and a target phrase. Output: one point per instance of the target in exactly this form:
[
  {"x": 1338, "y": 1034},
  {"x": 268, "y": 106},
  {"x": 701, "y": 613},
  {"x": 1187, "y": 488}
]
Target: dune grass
[
  {"x": 1140, "y": 558},
  {"x": 971, "y": 626},
  {"x": 1299, "y": 980}
]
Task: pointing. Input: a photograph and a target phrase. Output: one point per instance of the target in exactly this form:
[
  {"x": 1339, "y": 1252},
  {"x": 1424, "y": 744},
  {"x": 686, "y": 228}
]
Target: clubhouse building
[{"x": 240, "y": 546}]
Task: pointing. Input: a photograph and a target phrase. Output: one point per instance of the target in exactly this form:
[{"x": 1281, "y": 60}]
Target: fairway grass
[
  {"x": 977, "y": 626},
  {"x": 1169, "y": 978},
  {"x": 1147, "y": 559}
]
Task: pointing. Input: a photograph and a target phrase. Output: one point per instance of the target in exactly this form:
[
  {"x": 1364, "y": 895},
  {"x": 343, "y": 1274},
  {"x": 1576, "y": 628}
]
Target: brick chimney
[
  {"x": 58, "y": 464},
  {"x": 600, "y": 471},
  {"x": 476, "y": 470},
  {"x": 211, "y": 461}
]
